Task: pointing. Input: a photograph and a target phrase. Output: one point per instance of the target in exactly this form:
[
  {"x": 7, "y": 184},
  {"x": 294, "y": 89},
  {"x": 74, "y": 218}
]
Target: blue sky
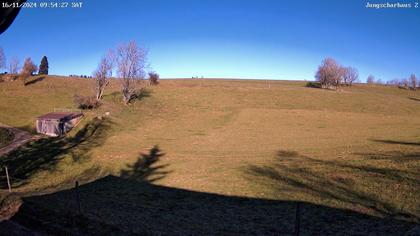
[{"x": 258, "y": 39}]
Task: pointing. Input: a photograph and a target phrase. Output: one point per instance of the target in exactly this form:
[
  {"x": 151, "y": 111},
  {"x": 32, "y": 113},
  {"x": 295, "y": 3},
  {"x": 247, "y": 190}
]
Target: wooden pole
[
  {"x": 8, "y": 180},
  {"x": 297, "y": 219}
]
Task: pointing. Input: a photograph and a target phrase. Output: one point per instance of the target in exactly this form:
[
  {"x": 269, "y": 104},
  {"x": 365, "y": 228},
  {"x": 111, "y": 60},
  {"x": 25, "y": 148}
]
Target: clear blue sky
[{"x": 259, "y": 39}]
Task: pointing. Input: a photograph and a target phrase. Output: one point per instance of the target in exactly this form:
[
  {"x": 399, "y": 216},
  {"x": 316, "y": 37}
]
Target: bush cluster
[
  {"x": 86, "y": 102},
  {"x": 153, "y": 78}
]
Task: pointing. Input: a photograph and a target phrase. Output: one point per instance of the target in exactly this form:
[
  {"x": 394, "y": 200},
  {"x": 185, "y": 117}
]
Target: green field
[{"x": 356, "y": 149}]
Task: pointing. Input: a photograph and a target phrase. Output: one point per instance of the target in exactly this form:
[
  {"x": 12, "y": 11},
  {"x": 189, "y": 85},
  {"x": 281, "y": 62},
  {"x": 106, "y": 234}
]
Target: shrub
[
  {"x": 312, "y": 84},
  {"x": 153, "y": 78},
  {"x": 86, "y": 102}
]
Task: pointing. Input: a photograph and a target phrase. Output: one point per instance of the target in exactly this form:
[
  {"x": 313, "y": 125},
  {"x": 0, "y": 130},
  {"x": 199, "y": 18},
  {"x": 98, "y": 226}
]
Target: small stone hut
[{"x": 57, "y": 123}]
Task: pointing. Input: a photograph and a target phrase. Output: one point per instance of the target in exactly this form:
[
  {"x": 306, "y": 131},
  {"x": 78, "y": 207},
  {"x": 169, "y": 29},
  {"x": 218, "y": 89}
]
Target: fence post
[
  {"x": 297, "y": 219},
  {"x": 8, "y": 179},
  {"x": 79, "y": 206}
]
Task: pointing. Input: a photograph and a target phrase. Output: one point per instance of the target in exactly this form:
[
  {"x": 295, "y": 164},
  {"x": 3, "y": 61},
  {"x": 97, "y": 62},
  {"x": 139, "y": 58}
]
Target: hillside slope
[{"x": 356, "y": 149}]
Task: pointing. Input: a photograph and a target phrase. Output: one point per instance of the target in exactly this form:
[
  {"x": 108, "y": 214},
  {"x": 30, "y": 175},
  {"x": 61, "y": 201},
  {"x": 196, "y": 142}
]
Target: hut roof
[{"x": 59, "y": 116}]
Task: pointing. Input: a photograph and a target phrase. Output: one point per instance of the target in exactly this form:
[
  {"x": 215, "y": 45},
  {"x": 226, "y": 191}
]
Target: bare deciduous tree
[
  {"x": 104, "y": 73},
  {"x": 28, "y": 69},
  {"x": 370, "y": 79},
  {"x": 329, "y": 73},
  {"x": 350, "y": 75},
  {"x": 14, "y": 68},
  {"x": 2, "y": 58},
  {"x": 413, "y": 81},
  {"x": 131, "y": 62}
]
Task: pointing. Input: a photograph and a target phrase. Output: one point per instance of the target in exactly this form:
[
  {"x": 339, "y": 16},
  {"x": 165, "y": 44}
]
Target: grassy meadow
[{"x": 356, "y": 149}]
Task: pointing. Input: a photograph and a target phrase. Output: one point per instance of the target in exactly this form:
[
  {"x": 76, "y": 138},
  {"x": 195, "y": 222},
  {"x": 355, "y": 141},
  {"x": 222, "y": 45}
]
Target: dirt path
[{"x": 20, "y": 137}]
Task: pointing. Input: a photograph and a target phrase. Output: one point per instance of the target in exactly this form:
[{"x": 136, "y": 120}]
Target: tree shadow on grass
[
  {"x": 139, "y": 95},
  {"x": 46, "y": 153},
  {"x": 145, "y": 168},
  {"x": 394, "y": 156},
  {"x": 397, "y": 142},
  {"x": 142, "y": 94},
  {"x": 35, "y": 80},
  {"x": 414, "y": 99},
  {"x": 120, "y": 206},
  {"x": 126, "y": 206},
  {"x": 112, "y": 95},
  {"x": 299, "y": 175}
]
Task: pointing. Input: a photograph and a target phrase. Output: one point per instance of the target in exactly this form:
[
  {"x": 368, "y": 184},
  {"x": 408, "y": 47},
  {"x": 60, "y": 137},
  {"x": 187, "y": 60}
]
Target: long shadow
[
  {"x": 141, "y": 94},
  {"x": 292, "y": 172},
  {"x": 138, "y": 95},
  {"x": 36, "y": 80},
  {"x": 45, "y": 153},
  {"x": 131, "y": 205},
  {"x": 414, "y": 99},
  {"x": 113, "y": 94},
  {"x": 397, "y": 142},
  {"x": 122, "y": 206},
  {"x": 145, "y": 168},
  {"x": 394, "y": 156}
]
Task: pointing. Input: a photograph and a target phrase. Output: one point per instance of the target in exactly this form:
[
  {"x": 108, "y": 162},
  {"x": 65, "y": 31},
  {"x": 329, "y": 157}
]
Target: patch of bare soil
[{"x": 20, "y": 137}]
